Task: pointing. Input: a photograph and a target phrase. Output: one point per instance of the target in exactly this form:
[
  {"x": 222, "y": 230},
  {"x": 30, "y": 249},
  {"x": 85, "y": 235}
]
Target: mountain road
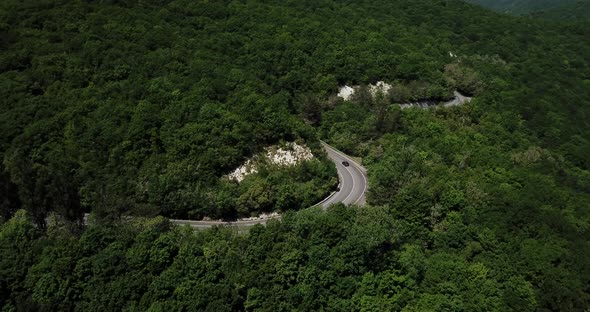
[{"x": 351, "y": 191}]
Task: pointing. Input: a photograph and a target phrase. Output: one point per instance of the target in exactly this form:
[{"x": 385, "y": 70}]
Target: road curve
[
  {"x": 353, "y": 180},
  {"x": 458, "y": 99},
  {"x": 351, "y": 191}
]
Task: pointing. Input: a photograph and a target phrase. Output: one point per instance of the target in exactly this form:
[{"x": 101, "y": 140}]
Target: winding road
[
  {"x": 353, "y": 180},
  {"x": 351, "y": 191},
  {"x": 458, "y": 99}
]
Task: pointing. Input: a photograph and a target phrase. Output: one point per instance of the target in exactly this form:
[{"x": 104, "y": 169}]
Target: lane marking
[
  {"x": 364, "y": 190},
  {"x": 352, "y": 189},
  {"x": 344, "y": 156},
  {"x": 360, "y": 168}
]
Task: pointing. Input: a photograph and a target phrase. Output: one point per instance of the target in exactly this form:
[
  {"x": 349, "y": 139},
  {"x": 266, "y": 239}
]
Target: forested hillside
[
  {"x": 142, "y": 108},
  {"x": 522, "y": 6},
  {"x": 564, "y": 10},
  {"x": 580, "y": 10},
  {"x": 136, "y": 111}
]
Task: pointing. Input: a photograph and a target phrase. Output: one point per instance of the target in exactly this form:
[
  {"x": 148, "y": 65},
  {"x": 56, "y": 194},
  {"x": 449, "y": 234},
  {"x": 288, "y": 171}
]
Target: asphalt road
[
  {"x": 353, "y": 180},
  {"x": 352, "y": 189},
  {"x": 457, "y": 100}
]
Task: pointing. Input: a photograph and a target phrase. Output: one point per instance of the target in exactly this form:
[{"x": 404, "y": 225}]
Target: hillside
[
  {"x": 137, "y": 111},
  {"x": 523, "y": 6},
  {"x": 580, "y": 10},
  {"x": 547, "y": 9}
]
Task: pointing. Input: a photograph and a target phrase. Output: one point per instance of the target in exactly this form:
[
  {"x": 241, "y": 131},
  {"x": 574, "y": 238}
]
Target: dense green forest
[{"x": 140, "y": 108}]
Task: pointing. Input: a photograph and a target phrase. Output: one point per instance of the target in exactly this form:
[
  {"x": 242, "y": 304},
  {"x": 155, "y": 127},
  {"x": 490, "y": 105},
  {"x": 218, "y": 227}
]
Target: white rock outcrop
[
  {"x": 289, "y": 155},
  {"x": 346, "y": 92},
  {"x": 380, "y": 86}
]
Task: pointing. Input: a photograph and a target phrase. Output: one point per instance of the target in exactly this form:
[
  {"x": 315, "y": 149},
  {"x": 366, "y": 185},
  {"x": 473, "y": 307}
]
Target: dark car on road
[{"x": 345, "y": 163}]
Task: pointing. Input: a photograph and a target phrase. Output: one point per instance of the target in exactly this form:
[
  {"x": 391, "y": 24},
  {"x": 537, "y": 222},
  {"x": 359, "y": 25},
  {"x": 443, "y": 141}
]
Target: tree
[
  {"x": 464, "y": 79},
  {"x": 9, "y": 201},
  {"x": 18, "y": 241}
]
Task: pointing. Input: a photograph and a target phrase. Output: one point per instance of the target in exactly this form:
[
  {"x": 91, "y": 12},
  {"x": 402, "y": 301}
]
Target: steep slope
[
  {"x": 522, "y": 6},
  {"x": 142, "y": 107},
  {"x": 580, "y": 10}
]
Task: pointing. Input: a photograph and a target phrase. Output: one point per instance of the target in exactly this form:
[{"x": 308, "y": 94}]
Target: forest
[
  {"x": 135, "y": 111},
  {"x": 562, "y": 10},
  {"x": 574, "y": 11},
  {"x": 523, "y": 6}
]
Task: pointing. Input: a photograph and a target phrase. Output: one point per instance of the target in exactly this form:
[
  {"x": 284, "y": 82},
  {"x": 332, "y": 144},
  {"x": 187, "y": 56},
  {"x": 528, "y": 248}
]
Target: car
[{"x": 345, "y": 163}]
